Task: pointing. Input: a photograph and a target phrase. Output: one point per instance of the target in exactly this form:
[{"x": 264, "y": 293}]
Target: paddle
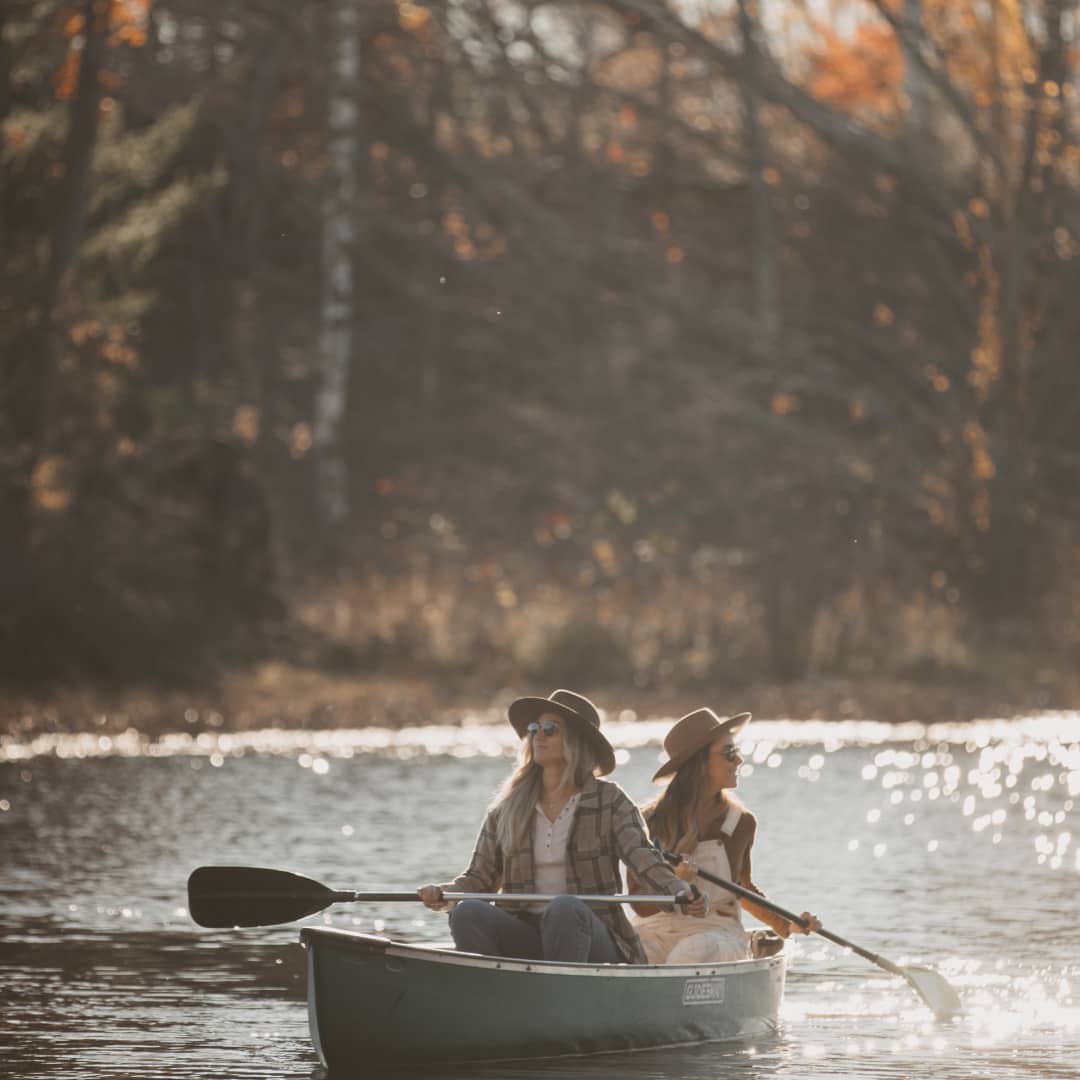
[
  {"x": 933, "y": 988},
  {"x": 227, "y": 896}
]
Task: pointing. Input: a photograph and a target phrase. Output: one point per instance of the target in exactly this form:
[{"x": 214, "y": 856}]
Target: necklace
[{"x": 552, "y": 805}]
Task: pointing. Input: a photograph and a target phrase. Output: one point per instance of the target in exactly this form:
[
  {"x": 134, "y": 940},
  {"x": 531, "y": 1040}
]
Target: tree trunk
[
  {"x": 765, "y": 269},
  {"x": 1022, "y": 213},
  {"x": 1011, "y": 555},
  {"x": 5, "y": 104},
  {"x": 786, "y": 631},
  {"x": 27, "y": 372},
  {"x": 916, "y": 84},
  {"x": 338, "y": 287},
  {"x": 78, "y": 154}
]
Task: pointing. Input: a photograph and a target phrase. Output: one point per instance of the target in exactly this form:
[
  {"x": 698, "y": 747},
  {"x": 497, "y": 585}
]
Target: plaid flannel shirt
[{"x": 607, "y": 828}]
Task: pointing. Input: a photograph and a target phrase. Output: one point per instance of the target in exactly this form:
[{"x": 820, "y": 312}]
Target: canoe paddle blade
[
  {"x": 935, "y": 990},
  {"x": 227, "y": 896}
]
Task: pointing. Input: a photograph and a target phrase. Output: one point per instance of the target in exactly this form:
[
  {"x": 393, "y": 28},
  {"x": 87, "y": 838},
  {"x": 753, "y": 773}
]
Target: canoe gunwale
[{"x": 369, "y": 944}]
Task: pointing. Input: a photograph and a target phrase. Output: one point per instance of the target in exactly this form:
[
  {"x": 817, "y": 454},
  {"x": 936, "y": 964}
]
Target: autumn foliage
[
  {"x": 117, "y": 22},
  {"x": 631, "y": 389}
]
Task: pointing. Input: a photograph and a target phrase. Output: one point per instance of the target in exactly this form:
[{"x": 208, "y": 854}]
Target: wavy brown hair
[{"x": 675, "y": 816}]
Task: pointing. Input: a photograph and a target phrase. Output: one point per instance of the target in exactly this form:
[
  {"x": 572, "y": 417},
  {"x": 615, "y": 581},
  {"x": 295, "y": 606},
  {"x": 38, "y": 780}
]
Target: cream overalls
[{"x": 670, "y": 937}]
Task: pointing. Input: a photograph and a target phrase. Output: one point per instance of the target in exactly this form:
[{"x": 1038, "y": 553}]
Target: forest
[{"x": 655, "y": 344}]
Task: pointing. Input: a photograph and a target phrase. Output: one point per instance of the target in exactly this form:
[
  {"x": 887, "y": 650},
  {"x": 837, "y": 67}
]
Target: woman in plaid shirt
[{"x": 556, "y": 828}]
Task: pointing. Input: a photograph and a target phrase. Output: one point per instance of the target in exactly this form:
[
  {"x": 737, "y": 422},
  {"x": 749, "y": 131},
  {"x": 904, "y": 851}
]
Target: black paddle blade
[{"x": 227, "y": 896}]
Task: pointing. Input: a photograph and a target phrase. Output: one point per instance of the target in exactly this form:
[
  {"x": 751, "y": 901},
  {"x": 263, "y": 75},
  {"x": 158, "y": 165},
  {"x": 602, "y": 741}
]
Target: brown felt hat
[
  {"x": 576, "y": 709},
  {"x": 694, "y": 732}
]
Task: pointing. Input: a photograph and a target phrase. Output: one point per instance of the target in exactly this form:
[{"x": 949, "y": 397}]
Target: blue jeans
[{"x": 568, "y": 931}]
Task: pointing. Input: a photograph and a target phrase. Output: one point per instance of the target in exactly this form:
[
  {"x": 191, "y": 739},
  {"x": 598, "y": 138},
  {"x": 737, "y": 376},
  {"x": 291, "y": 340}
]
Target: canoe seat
[{"x": 765, "y": 943}]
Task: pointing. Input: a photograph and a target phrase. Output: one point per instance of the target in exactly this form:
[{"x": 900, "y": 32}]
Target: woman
[
  {"x": 697, "y": 816},
  {"x": 556, "y": 829}
]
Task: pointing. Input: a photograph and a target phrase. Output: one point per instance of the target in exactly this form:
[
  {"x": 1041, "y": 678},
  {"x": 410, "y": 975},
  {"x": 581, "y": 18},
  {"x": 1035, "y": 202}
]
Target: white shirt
[{"x": 549, "y": 849}]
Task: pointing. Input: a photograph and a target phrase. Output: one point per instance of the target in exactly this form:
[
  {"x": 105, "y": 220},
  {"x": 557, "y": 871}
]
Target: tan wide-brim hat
[
  {"x": 693, "y": 733},
  {"x": 575, "y": 709}
]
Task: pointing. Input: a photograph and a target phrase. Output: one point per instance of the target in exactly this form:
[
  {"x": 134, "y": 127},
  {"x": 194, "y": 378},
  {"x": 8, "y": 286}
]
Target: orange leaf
[
  {"x": 783, "y": 403},
  {"x": 883, "y": 314},
  {"x": 73, "y": 23},
  {"x": 66, "y": 79},
  {"x": 864, "y": 71}
]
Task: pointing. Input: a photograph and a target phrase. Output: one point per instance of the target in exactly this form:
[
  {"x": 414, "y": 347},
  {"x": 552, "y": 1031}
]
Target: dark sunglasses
[{"x": 548, "y": 727}]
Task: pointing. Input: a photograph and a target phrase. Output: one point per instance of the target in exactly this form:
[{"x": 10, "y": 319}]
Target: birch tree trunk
[
  {"x": 916, "y": 84},
  {"x": 765, "y": 270},
  {"x": 338, "y": 236}
]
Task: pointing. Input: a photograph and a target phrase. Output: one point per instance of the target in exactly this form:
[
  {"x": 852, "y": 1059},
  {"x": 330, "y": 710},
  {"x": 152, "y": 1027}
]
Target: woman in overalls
[{"x": 698, "y": 817}]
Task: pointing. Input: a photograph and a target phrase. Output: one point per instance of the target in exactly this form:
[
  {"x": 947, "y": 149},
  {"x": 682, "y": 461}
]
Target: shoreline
[{"x": 278, "y": 695}]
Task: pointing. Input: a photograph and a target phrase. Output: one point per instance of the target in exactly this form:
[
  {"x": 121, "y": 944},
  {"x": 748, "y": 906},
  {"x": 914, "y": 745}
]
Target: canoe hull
[{"x": 371, "y": 1000}]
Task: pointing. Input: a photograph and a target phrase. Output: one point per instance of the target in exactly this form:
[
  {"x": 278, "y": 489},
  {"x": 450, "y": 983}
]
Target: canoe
[{"x": 374, "y": 1000}]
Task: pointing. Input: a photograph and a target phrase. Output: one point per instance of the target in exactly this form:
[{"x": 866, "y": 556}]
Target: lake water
[{"x": 948, "y": 845}]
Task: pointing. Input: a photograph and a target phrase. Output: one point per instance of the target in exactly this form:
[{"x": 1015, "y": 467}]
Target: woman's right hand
[
  {"x": 685, "y": 869},
  {"x": 432, "y": 897},
  {"x": 695, "y": 902}
]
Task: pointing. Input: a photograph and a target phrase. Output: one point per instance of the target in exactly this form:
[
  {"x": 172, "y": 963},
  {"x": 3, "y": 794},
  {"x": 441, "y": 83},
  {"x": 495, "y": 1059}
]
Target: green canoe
[{"x": 376, "y": 1001}]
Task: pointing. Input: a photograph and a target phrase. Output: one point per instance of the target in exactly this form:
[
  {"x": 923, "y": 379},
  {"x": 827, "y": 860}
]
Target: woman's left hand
[{"x": 813, "y": 924}]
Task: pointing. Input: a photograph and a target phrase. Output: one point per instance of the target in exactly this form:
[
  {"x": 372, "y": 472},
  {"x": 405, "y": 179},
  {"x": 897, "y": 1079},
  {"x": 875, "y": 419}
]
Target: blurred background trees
[{"x": 637, "y": 341}]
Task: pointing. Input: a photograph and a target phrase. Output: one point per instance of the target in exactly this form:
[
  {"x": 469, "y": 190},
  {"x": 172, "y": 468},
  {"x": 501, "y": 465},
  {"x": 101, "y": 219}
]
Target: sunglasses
[{"x": 548, "y": 727}]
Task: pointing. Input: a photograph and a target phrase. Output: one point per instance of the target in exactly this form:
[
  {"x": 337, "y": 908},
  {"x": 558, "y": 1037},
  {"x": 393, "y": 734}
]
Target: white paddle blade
[{"x": 935, "y": 990}]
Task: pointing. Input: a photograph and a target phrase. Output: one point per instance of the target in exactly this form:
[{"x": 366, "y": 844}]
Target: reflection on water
[
  {"x": 150, "y": 1003},
  {"x": 951, "y": 845}
]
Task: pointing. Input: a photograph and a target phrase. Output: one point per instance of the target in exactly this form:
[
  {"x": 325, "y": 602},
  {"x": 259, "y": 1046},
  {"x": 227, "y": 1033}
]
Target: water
[{"x": 948, "y": 845}]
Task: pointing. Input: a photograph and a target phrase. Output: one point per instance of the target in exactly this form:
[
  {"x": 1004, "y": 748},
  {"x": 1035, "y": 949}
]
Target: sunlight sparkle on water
[
  {"x": 1050, "y": 737},
  {"x": 1000, "y": 1008}
]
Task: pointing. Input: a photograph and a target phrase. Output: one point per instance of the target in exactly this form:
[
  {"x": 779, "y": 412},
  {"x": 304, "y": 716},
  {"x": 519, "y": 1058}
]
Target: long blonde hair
[
  {"x": 515, "y": 802},
  {"x": 676, "y": 815}
]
